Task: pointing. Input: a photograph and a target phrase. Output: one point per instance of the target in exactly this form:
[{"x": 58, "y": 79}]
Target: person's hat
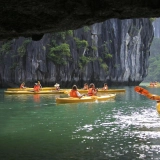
[{"x": 56, "y": 85}]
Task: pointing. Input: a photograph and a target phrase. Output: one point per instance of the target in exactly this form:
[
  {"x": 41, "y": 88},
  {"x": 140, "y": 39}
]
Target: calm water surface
[{"x": 34, "y": 127}]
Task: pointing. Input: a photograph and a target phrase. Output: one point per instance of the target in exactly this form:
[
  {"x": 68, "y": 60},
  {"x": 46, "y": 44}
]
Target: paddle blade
[
  {"x": 153, "y": 97},
  {"x": 141, "y": 90}
]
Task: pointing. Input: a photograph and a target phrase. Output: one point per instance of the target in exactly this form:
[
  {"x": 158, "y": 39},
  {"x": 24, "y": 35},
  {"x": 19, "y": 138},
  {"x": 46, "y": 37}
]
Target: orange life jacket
[
  {"x": 90, "y": 91},
  {"x": 36, "y": 88},
  {"x": 73, "y": 93}
]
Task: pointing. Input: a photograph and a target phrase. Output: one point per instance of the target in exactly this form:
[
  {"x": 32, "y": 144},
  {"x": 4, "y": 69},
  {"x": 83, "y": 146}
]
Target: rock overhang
[{"x": 33, "y": 18}]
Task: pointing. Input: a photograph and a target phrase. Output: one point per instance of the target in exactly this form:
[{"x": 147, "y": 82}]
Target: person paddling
[
  {"x": 39, "y": 84},
  {"x": 85, "y": 86},
  {"x": 92, "y": 91},
  {"x": 36, "y": 88},
  {"x": 22, "y": 86},
  {"x": 74, "y": 92},
  {"x": 105, "y": 87},
  {"x": 57, "y": 86}
]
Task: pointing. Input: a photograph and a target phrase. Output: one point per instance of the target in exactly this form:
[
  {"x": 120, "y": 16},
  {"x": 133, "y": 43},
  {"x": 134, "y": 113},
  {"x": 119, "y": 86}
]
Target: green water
[{"x": 36, "y": 128}]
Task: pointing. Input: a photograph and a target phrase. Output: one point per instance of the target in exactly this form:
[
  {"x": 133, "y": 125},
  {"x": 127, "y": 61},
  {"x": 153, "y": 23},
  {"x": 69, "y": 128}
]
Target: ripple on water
[{"x": 134, "y": 135}]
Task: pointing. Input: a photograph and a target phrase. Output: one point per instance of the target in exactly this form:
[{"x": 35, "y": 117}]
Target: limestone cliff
[
  {"x": 156, "y": 28},
  {"x": 117, "y": 52}
]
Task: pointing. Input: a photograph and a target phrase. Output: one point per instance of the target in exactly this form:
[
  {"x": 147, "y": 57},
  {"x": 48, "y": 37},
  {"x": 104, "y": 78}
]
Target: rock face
[
  {"x": 117, "y": 51},
  {"x": 33, "y": 18},
  {"x": 156, "y": 26}
]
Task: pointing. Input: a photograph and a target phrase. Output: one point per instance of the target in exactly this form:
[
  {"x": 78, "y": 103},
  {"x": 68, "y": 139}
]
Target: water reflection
[
  {"x": 34, "y": 127},
  {"x": 132, "y": 129},
  {"x": 36, "y": 98}
]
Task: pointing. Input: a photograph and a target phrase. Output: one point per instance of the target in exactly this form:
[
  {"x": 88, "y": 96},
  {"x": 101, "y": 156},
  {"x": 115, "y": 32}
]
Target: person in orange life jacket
[
  {"x": 22, "y": 86},
  {"x": 85, "y": 86},
  {"x": 36, "y": 87},
  {"x": 105, "y": 87},
  {"x": 92, "y": 91},
  {"x": 74, "y": 92}
]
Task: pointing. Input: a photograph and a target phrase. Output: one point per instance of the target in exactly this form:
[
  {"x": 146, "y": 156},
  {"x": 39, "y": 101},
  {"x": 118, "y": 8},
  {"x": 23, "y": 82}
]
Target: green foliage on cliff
[
  {"x": 69, "y": 33},
  {"x": 59, "y": 50},
  {"x": 81, "y": 43},
  {"x": 6, "y": 47},
  {"x": 59, "y": 53},
  {"x": 22, "y": 49},
  {"x": 155, "y": 47},
  {"x": 63, "y": 35},
  {"x": 108, "y": 55},
  {"x": 104, "y": 66},
  {"x": 14, "y": 65},
  {"x": 94, "y": 48},
  {"x": 105, "y": 52},
  {"x": 154, "y": 69},
  {"x": 86, "y": 29},
  {"x": 84, "y": 60},
  {"x": 154, "y": 62},
  {"x": 152, "y": 19}
]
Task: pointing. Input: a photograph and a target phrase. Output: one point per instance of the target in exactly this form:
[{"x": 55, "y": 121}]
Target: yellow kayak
[
  {"x": 99, "y": 90},
  {"x": 32, "y": 92},
  {"x": 28, "y": 88},
  {"x": 111, "y": 90},
  {"x": 74, "y": 100},
  {"x": 104, "y": 97},
  {"x": 85, "y": 99}
]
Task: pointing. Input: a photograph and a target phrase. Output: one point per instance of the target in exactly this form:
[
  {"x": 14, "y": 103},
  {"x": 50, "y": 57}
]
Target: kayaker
[
  {"x": 36, "y": 87},
  {"x": 74, "y": 92},
  {"x": 57, "y": 86},
  {"x": 22, "y": 86},
  {"x": 85, "y": 86},
  {"x": 39, "y": 84},
  {"x": 105, "y": 87},
  {"x": 92, "y": 91}
]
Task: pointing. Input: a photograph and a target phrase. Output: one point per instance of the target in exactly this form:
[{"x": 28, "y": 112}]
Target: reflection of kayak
[
  {"x": 155, "y": 86},
  {"x": 149, "y": 95},
  {"x": 26, "y": 89},
  {"x": 85, "y": 99},
  {"x": 99, "y": 91},
  {"x": 32, "y": 92},
  {"x": 111, "y": 90}
]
